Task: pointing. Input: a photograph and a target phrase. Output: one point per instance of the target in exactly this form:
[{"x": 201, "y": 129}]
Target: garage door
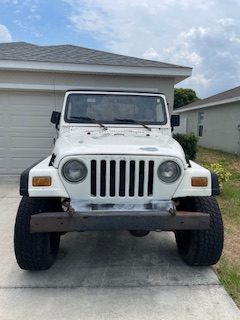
[{"x": 26, "y": 134}]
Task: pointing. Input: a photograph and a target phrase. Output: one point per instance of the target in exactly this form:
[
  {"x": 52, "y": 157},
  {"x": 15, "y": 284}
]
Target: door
[{"x": 26, "y": 134}]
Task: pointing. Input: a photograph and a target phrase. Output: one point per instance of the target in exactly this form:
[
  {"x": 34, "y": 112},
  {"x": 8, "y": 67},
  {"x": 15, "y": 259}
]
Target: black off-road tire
[
  {"x": 35, "y": 251},
  {"x": 201, "y": 247}
]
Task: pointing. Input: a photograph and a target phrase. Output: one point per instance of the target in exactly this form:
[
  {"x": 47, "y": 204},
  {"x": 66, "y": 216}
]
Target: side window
[{"x": 200, "y": 123}]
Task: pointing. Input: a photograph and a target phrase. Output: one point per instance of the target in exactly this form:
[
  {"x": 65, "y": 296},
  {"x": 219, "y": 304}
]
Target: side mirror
[
  {"x": 55, "y": 118},
  {"x": 175, "y": 120}
]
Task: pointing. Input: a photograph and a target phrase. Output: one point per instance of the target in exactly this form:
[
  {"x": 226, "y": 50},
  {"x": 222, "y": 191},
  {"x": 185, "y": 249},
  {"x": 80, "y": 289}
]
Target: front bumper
[{"x": 148, "y": 217}]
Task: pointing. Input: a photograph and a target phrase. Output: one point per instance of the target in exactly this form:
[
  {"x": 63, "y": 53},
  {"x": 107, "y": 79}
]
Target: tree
[{"x": 183, "y": 97}]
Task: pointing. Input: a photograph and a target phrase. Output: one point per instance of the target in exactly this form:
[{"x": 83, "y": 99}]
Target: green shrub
[
  {"x": 223, "y": 175},
  {"x": 188, "y": 141}
]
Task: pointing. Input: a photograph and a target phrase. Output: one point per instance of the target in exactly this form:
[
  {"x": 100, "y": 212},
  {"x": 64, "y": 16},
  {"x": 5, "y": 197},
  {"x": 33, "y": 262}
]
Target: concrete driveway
[{"x": 106, "y": 275}]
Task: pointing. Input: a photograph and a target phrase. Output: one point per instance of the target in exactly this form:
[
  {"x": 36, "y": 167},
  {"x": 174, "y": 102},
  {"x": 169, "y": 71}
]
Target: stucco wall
[
  {"x": 15, "y": 80},
  {"x": 220, "y": 126}
]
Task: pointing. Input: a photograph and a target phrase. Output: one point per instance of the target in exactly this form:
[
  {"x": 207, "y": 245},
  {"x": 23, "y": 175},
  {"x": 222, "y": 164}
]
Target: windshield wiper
[
  {"x": 133, "y": 121},
  {"x": 89, "y": 119}
]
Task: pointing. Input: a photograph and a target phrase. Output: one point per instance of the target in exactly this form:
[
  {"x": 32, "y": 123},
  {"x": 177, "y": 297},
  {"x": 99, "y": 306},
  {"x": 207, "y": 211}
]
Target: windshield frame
[{"x": 120, "y": 122}]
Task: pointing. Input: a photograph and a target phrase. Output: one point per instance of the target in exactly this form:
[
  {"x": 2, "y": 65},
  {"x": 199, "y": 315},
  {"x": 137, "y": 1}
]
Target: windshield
[{"x": 113, "y": 108}]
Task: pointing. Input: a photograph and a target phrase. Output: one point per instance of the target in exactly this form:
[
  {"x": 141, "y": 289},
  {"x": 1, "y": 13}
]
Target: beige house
[
  {"x": 214, "y": 120},
  {"x": 33, "y": 80}
]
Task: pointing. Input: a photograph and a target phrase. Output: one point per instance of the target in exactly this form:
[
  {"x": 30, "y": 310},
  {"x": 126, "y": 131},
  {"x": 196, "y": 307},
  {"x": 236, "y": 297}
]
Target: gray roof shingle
[
  {"x": 22, "y": 51},
  {"x": 229, "y": 94}
]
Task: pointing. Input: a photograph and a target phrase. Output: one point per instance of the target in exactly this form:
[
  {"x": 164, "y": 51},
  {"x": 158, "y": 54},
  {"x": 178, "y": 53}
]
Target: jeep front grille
[{"x": 121, "y": 178}]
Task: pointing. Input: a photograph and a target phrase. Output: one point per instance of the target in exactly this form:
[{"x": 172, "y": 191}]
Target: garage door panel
[
  {"x": 2, "y": 167},
  {"x": 25, "y": 157},
  {"x": 31, "y": 99},
  {"x": 28, "y": 110},
  {"x": 31, "y": 131},
  {"x": 2, "y": 121},
  {"x": 26, "y": 134},
  {"x": 31, "y": 143},
  {"x": 30, "y": 121},
  {"x": 2, "y": 161},
  {"x": 29, "y": 153},
  {"x": 20, "y": 164}
]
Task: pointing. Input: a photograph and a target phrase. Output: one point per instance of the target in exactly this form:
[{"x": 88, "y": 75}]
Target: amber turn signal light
[
  {"x": 41, "y": 181},
  {"x": 199, "y": 182}
]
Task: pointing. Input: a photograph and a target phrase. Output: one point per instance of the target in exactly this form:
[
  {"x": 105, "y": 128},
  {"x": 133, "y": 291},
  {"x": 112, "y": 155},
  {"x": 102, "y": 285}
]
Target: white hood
[{"x": 117, "y": 141}]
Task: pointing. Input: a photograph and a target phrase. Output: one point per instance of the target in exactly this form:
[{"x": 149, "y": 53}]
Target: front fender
[
  {"x": 185, "y": 188},
  {"x": 42, "y": 168}
]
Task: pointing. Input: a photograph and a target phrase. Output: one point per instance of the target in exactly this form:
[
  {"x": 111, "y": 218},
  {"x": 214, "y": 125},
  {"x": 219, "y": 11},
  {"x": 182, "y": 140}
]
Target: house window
[{"x": 200, "y": 123}]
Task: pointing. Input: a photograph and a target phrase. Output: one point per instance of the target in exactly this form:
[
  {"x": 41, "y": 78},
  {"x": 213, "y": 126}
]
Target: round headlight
[
  {"x": 74, "y": 171},
  {"x": 169, "y": 171}
]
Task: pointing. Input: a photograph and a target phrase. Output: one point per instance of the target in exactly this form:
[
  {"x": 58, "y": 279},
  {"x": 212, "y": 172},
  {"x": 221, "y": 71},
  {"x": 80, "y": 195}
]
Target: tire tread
[
  {"x": 205, "y": 246},
  {"x": 32, "y": 250}
]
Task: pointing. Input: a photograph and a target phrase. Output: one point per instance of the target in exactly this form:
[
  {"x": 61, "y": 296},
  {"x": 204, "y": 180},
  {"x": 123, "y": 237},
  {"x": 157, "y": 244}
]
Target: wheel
[
  {"x": 139, "y": 233},
  {"x": 35, "y": 251},
  {"x": 201, "y": 247}
]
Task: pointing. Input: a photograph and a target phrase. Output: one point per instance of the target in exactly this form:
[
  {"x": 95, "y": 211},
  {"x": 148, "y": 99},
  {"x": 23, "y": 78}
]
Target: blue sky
[{"x": 202, "y": 34}]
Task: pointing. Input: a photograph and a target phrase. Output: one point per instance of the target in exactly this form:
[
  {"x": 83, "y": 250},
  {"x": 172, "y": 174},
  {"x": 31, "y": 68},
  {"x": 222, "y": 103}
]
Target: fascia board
[
  {"x": 63, "y": 88},
  {"x": 94, "y": 69},
  {"x": 207, "y": 105}
]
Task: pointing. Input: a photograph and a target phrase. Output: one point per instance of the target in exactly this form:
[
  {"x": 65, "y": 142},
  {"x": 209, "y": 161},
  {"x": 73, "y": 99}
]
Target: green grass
[
  {"x": 229, "y": 199},
  {"x": 227, "y": 160},
  {"x": 229, "y": 276},
  {"x": 230, "y": 202},
  {"x": 228, "y": 268}
]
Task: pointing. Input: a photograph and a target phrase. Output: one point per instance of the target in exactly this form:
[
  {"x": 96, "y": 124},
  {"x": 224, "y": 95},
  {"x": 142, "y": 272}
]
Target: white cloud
[
  {"x": 151, "y": 54},
  {"x": 226, "y": 22},
  {"x": 199, "y": 81},
  {"x": 213, "y": 52},
  {"x": 193, "y": 32},
  {"x": 124, "y": 25},
  {"x": 90, "y": 21},
  {"x": 5, "y": 35},
  {"x": 202, "y": 34}
]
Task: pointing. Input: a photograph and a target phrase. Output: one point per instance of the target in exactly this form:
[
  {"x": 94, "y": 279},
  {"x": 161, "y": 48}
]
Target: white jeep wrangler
[{"x": 115, "y": 166}]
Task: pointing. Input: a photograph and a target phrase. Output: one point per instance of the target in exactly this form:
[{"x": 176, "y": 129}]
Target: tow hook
[
  {"x": 172, "y": 210},
  {"x": 69, "y": 210}
]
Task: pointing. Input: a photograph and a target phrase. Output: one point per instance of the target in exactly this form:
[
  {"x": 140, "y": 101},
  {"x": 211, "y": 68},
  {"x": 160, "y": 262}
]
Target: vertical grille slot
[
  {"x": 141, "y": 178},
  {"x": 122, "y": 178},
  {"x": 150, "y": 178},
  {"x": 93, "y": 178},
  {"x": 131, "y": 178},
  {"x": 103, "y": 179},
  {"x": 112, "y": 189}
]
